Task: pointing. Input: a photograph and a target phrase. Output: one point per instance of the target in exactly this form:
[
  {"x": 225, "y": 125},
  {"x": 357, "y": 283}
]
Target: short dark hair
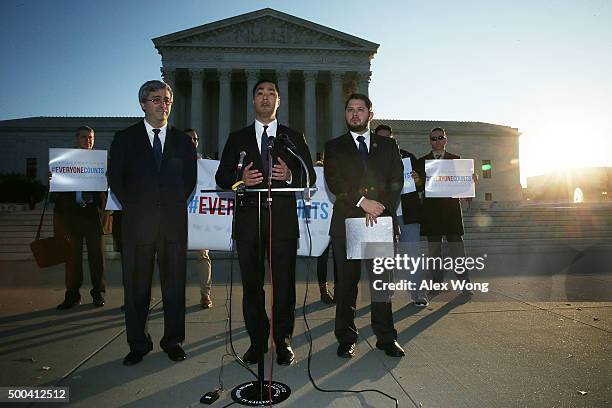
[
  {"x": 189, "y": 130},
  {"x": 383, "y": 127},
  {"x": 152, "y": 86},
  {"x": 362, "y": 97},
  {"x": 262, "y": 81},
  {"x": 437, "y": 129},
  {"x": 83, "y": 128}
]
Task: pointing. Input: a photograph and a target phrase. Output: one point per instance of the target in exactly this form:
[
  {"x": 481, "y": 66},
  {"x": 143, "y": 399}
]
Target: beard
[{"x": 357, "y": 128}]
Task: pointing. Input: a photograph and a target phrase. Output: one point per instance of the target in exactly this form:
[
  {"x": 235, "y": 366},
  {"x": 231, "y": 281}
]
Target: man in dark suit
[
  {"x": 79, "y": 216},
  {"x": 286, "y": 172},
  {"x": 442, "y": 216},
  {"x": 410, "y": 221},
  {"x": 153, "y": 172},
  {"x": 365, "y": 173}
]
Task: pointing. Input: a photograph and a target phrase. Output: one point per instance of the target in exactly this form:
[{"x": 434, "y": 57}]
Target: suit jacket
[
  {"x": 410, "y": 202},
  {"x": 68, "y": 212},
  {"x": 348, "y": 180},
  {"x": 153, "y": 202},
  {"x": 441, "y": 216},
  {"x": 284, "y": 211}
]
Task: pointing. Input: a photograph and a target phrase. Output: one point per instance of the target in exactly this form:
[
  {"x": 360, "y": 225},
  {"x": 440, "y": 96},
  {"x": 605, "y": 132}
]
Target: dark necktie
[
  {"x": 363, "y": 150},
  {"x": 157, "y": 148},
  {"x": 264, "y": 149}
]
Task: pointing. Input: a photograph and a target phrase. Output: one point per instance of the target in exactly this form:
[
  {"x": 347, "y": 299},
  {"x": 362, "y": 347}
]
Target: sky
[{"x": 544, "y": 67}]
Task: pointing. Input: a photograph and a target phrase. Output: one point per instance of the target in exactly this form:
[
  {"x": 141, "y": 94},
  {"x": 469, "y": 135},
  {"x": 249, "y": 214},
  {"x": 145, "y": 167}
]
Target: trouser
[
  {"x": 410, "y": 244},
  {"x": 252, "y": 270},
  {"x": 204, "y": 271},
  {"x": 456, "y": 249},
  {"x": 349, "y": 273},
  {"x": 138, "y": 261}
]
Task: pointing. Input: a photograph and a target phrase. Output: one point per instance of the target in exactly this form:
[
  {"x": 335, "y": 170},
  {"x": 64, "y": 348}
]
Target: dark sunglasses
[
  {"x": 195, "y": 139},
  {"x": 435, "y": 138}
]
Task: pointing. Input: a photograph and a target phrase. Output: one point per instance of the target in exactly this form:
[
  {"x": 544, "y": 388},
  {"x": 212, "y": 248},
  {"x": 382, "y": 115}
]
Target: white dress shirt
[{"x": 162, "y": 133}]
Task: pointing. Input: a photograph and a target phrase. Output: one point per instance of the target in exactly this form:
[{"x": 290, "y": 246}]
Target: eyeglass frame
[
  {"x": 160, "y": 100},
  {"x": 437, "y": 138}
]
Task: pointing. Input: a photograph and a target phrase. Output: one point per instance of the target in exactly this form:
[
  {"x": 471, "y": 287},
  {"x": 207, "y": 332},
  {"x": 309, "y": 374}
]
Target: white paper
[
  {"x": 449, "y": 178},
  {"x": 359, "y": 236},
  {"x": 112, "y": 202},
  {"x": 77, "y": 170}
]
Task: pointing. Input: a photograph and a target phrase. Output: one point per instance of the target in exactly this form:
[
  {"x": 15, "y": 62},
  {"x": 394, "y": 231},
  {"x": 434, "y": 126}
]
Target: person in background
[
  {"x": 204, "y": 263},
  {"x": 80, "y": 216}
]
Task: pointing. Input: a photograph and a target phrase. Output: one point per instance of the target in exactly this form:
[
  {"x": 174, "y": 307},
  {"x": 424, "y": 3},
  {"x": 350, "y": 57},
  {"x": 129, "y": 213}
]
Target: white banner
[
  {"x": 449, "y": 178},
  {"x": 77, "y": 170},
  {"x": 409, "y": 185},
  {"x": 210, "y": 214}
]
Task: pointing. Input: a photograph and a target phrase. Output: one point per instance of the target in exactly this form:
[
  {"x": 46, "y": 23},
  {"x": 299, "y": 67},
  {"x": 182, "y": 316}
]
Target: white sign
[
  {"x": 210, "y": 214},
  {"x": 409, "y": 185},
  {"x": 449, "y": 178},
  {"x": 77, "y": 170}
]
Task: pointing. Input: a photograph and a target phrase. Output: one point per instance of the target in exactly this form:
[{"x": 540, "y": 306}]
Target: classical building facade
[{"x": 212, "y": 69}]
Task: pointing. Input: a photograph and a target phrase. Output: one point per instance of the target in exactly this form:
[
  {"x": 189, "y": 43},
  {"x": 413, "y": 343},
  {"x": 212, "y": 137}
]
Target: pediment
[{"x": 265, "y": 28}]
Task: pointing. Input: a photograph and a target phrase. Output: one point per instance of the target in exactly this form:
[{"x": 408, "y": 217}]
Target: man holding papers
[{"x": 365, "y": 173}]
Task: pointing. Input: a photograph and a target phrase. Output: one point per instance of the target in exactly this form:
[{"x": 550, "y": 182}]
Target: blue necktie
[
  {"x": 264, "y": 149},
  {"x": 363, "y": 150},
  {"x": 157, "y": 148}
]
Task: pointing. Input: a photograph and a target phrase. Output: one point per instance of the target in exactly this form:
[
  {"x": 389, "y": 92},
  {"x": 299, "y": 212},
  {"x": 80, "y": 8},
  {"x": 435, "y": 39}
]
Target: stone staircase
[{"x": 493, "y": 231}]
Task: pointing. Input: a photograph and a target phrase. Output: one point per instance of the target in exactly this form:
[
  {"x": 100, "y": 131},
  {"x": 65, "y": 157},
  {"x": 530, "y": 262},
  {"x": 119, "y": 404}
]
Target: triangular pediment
[{"x": 265, "y": 28}]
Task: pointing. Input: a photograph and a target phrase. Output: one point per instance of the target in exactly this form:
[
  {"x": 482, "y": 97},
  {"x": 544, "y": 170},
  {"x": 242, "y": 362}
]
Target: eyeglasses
[
  {"x": 158, "y": 100},
  {"x": 435, "y": 138}
]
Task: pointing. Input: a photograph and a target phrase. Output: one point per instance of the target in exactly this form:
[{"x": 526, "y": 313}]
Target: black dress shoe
[
  {"x": 250, "y": 357},
  {"x": 346, "y": 350},
  {"x": 392, "y": 349},
  {"x": 69, "y": 302},
  {"x": 176, "y": 353},
  {"x": 98, "y": 301},
  {"x": 284, "y": 355},
  {"x": 133, "y": 358}
]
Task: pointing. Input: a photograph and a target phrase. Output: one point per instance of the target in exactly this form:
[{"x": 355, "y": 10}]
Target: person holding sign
[
  {"x": 152, "y": 172},
  {"x": 365, "y": 173},
  {"x": 442, "y": 215},
  {"x": 249, "y": 146},
  {"x": 79, "y": 216},
  {"x": 410, "y": 220}
]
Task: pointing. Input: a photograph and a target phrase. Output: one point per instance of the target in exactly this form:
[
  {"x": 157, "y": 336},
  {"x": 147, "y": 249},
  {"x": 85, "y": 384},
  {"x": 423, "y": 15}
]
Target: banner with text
[
  {"x": 77, "y": 170},
  {"x": 409, "y": 185},
  {"x": 449, "y": 178},
  {"x": 210, "y": 214}
]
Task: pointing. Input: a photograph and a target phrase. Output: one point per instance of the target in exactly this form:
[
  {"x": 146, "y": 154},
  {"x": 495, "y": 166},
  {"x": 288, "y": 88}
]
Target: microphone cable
[
  {"x": 271, "y": 336},
  {"x": 231, "y": 352},
  {"x": 308, "y": 333}
]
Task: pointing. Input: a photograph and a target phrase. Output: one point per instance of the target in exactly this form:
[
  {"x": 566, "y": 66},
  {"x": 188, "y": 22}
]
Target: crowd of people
[{"x": 152, "y": 171}]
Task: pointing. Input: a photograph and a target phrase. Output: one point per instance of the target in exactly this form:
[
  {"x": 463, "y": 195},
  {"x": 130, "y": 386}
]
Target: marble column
[
  {"x": 252, "y": 76},
  {"x": 363, "y": 82},
  {"x": 197, "y": 77},
  {"x": 282, "y": 76},
  {"x": 169, "y": 76},
  {"x": 310, "y": 111},
  {"x": 225, "y": 76},
  {"x": 337, "y": 104}
]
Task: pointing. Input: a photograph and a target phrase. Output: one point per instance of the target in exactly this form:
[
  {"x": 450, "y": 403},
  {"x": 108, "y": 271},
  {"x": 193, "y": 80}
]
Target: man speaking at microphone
[{"x": 284, "y": 171}]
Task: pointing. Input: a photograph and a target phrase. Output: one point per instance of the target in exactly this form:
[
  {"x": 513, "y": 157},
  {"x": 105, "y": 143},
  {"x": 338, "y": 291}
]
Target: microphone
[
  {"x": 241, "y": 160},
  {"x": 287, "y": 141},
  {"x": 271, "y": 140}
]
